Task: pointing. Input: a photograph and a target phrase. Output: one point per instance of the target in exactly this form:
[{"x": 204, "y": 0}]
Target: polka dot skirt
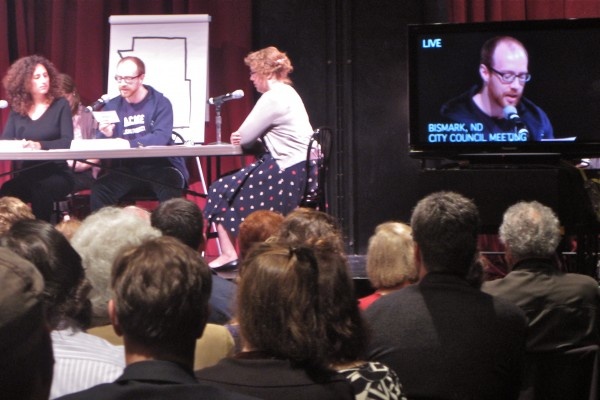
[{"x": 259, "y": 186}]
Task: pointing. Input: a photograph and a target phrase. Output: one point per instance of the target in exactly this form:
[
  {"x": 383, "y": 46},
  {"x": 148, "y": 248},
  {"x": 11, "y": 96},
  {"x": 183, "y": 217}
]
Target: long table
[
  {"x": 197, "y": 151},
  {"x": 221, "y": 149}
]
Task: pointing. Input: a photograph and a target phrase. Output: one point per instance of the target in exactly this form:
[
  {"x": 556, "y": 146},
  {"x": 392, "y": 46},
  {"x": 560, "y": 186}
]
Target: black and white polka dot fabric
[{"x": 259, "y": 186}]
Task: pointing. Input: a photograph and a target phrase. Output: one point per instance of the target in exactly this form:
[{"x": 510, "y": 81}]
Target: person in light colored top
[
  {"x": 81, "y": 360},
  {"x": 280, "y": 123}
]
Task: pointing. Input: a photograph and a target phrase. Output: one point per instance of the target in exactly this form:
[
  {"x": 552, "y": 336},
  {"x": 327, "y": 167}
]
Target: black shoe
[{"x": 230, "y": 265}]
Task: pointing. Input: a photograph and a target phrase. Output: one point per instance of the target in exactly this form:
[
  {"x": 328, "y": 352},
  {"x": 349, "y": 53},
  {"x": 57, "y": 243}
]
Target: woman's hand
[
  {"x": 235, "y": 138},
  {"x": 30, "y": 144}
]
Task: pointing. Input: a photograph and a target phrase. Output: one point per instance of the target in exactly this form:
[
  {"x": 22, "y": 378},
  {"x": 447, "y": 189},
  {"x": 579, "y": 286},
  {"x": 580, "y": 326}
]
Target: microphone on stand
[
  {"x": 3, "y": 104},
  {"x": 510, "y": 113},
  {"x": 98, "y": 104},
  {"x": 238, "y": 94}
]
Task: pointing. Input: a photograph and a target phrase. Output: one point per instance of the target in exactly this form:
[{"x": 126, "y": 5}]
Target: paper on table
[
  {"x": 106, "y": 117},
  {"x": 100, "y": 144},
  {"x": 12, "y": 145}
]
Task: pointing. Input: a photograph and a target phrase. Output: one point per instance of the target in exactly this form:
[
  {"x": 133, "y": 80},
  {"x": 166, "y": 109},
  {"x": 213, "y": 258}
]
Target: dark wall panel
[
  {"x": 385, "y": 179},
  {"x": 350, "y": 59}
]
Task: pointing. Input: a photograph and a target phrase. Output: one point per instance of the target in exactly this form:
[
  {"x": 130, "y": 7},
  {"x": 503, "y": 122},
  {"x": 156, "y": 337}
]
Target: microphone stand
[{"x": 218, "y": 123}]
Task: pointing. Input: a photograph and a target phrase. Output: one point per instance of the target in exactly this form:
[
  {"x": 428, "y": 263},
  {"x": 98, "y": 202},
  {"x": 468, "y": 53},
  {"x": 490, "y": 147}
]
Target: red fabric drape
[
  {"x": 505, "y": 10},
  {"x": 75, "y": 35}
]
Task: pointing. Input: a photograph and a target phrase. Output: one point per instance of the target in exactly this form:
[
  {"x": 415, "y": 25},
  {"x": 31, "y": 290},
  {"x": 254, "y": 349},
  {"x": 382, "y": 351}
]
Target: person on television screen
[{"x": 498, "y": 105}]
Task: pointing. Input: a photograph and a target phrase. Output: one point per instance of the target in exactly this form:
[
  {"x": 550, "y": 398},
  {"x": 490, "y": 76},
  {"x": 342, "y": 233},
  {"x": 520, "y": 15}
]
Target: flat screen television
[{"x": 564, "y": 82}]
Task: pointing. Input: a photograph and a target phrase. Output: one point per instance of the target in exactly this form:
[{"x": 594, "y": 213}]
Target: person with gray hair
[
  {"x": 562, "y": 308},
  {"x": 443, "y": 337},
  {"x": 99, "y": 239}
]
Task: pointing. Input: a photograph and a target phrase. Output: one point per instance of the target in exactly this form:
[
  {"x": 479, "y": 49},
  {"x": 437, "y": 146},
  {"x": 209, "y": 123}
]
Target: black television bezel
[{"x": 482, "y": 151}]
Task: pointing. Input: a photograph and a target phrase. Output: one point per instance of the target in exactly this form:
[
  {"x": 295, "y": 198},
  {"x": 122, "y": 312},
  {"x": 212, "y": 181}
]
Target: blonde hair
[
  {"x": 390, "y": 259},
  {"x": 270, "y": 61},
  {"x": 12, "y": 210}
]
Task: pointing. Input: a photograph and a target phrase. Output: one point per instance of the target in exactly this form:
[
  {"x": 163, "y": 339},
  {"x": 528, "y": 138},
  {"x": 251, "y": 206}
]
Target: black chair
[
  {"x": 317, "y": 167},
  {"x": 570, "y": 374},
  {"x": 77, "y": 203}
]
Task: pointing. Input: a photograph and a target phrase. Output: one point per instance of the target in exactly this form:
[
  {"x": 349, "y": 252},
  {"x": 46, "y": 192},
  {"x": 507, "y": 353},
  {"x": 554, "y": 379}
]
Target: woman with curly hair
[
  {"x": 81, "y": 360},
  {"x": 41, "y": 119},
  {"x": 275, "y": 182}
]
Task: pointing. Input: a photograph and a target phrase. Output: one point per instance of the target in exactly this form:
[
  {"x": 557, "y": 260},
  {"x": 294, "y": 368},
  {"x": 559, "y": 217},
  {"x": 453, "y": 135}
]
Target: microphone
[
  {"x": 3, "y": 104},
  {"x": 238, "y": 94},
  {"x": 510, "y": 113},
  {"x": 98, "y": 104}
]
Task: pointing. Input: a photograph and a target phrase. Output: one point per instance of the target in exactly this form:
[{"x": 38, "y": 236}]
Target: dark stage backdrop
[{"x": 352, "y": 73}]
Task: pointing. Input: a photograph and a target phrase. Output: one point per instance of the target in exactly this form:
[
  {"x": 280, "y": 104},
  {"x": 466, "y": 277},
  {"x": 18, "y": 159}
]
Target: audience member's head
[
  {"x": 279, "y": 308},
  {"x": 26, "y": 365},
  {"x": 138, "y": 211},
  {"x": 101, "y": 236},
  {"x": 530, "y": 230},
  {"x": 390, "y": 256},
  {"x": 182, "y": 219},
  {"x": 445, "y": 228},
  {"x": 257, "y": 228},
  {"x": 161, "y": 290},
  {"x": 68, "y": 227},
  {"x": 66, "y": 287},
  {"x": 305, "y": 227},
  {"x": 12, "y": 209},
  {"x": 308, "y": 227}
]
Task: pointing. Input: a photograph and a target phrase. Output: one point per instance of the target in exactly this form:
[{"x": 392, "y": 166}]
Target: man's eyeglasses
[
  {"x": 127, "y": 79},
  {"x": 509, "y": 77}
]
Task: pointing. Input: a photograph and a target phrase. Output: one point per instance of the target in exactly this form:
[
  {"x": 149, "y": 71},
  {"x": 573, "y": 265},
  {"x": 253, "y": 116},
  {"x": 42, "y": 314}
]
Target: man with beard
[
  {"x": 145, "y": 119},
  {"x": 498, "y": 103}
]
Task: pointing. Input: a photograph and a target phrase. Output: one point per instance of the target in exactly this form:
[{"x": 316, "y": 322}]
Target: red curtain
[
  {"x": 505, "y": 10},
  {"x": 75, "y": 35}
]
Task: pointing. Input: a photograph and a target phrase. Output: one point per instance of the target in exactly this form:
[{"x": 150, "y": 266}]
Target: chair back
[
  {"x": 571, "y": 374},
  {"x": 317, "y": 165}
]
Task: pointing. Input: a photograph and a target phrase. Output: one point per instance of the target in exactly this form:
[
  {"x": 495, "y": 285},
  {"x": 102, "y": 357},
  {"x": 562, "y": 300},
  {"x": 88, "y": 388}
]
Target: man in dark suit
[
  {"x": 160, "y": 306},
  {"x": 443, "y": 337}
]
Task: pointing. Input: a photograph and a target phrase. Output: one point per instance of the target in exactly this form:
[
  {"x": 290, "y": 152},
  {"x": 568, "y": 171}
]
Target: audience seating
[{"x": 572, "y": 374}]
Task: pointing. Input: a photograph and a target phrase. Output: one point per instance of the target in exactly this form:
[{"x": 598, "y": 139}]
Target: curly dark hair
[{"x": 17, "y": 82}]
